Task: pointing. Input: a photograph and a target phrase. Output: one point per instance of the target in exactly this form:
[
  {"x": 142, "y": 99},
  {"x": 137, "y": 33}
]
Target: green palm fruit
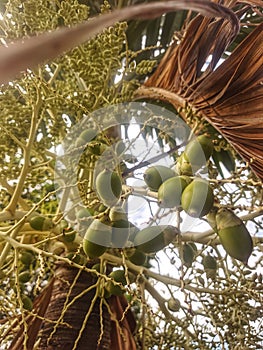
[
  {"x": 170, "y": 192},
  {"x": 102, "y": 208},
  {"x": 102, "y": 291},
  {"x": 137, "y": 258},
  {"x": 83, "y": 213},
  {"x": 174, "y": 305},
  {"x": 96, "y": 267},
  {"x": 119, "y": 277},
  {"x": 188, "y": 255},
  {"x": 184, "y": 167},
  {"x": 97, "y": 239},
  {"x": 199, "y": 150},
  {"x": 108, "y": 186},
  {"x": 119, "y": 147},
  {"x": 86, "y": 136},
  {"x": 196, "y": 154},
  {"x": 198, "y": 198},
  {"x": 97, "y": 147},
  {"x": 234, "y": 235},
  {"x": 27, "y": 257},
  {"x": 84, "y": 217},
  {"x": 69, "y": 235},
  {"x": 154, "y": 176},
  {"x": 154, "y": 238},
  {"x": 41, "y": 223},
  {"x": 210, "y": 266},
  {"x": 120, "y": 233},
  {"x": 27, "y": 302},
  {"x": 24, "y": 276},
  {"x": 117, "y": 213},
  {"x": 76, "y": 258},
  {"x": 209, "y": 262}
]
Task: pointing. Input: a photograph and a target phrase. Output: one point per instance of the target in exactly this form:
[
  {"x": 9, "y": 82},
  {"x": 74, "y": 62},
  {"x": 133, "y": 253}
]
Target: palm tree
[{"x": 170, "y": 60}]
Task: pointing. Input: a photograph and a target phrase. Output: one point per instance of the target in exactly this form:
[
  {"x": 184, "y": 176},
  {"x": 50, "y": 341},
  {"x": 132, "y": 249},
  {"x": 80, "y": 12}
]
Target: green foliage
[{"x": 216, "y": 299}]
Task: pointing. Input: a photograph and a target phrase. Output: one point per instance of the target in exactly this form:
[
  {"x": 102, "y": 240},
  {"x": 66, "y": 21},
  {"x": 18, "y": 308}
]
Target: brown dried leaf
[{"x": 230, "y": 96}]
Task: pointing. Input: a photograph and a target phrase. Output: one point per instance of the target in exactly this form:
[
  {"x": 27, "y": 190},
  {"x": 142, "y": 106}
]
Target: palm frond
[{"x": 228, "y": 96}]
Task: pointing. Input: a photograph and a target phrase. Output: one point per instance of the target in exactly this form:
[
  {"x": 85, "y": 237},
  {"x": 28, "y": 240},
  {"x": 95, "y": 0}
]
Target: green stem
[{"x": 27, "y": 155}]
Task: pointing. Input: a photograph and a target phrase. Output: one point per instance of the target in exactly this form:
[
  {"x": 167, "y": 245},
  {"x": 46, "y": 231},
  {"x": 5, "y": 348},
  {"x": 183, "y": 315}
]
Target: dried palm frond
[{"x": 229, "y": 96}]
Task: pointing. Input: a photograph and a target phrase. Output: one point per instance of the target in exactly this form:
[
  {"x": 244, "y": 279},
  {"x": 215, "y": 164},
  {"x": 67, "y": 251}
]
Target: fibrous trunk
[{"x": 67, "y": 325}]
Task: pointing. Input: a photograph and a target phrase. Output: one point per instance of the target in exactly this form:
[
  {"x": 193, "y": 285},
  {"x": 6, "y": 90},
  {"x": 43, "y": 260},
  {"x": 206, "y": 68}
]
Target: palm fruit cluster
[
  {"x": 179, "y": 188},
  {"x": 195, "y": 156},
  {"x": 27, "y": 261},
  {"x": 114, "y": 230},
  {"x": 122, "y": 234}
]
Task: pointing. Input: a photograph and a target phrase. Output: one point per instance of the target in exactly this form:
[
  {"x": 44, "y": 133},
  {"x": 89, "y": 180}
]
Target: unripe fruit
[
  {"x": 170, "y": 192},
  {"x": 117, "y": 214},
  {"x": 174, "y": 305},
  {"x": 199, "y": 150},
  {"x": 234, "y": 235},
  {"x": 117, "y": 276},
  {"x": 198, "y": 198},
  {"x": 97, "y": 239},
  {"x": 96, "y": 267},
  {"x": 41, "y": 223},
  {"x": 184, "y": 167},
  {"x": 84, "y": 218},
  {"x": 210, "y": 266},
  {"x": 154, "y": 238},
  {"x": 195, "y": 155},
  {"x": 69, "y": 235},
  {"x": 188, "y": 255},
  {"x": 76, "y": 258},
  {"x": 26, "y": 257},
  {"x": 120, "y": 233},
  {"x": 102, "y": 291},
  {"x": 119, "y": 148},
  {"x": 27, "y": 302},
  {"x": 156, "y": 175},
  {"x": 83, "y": 213},
  {"x": 86, "y": 136},
  {"x": 102, "y": 208},
  {"x": 24, "y": 276},
  {"x": 209, "y": 262},
  {"x": 108, "y": 187},
  {"x": 137, "y": 258},
  {"x": 97, "y": 147}
]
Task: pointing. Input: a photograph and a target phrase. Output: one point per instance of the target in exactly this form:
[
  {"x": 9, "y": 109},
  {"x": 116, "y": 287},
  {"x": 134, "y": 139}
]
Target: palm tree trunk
[{"x": 75, "y": 330}]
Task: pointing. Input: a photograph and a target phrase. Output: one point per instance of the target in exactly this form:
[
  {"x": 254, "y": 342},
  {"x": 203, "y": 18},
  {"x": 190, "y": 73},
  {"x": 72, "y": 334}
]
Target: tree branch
[{"x": 27, "y": 155}]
